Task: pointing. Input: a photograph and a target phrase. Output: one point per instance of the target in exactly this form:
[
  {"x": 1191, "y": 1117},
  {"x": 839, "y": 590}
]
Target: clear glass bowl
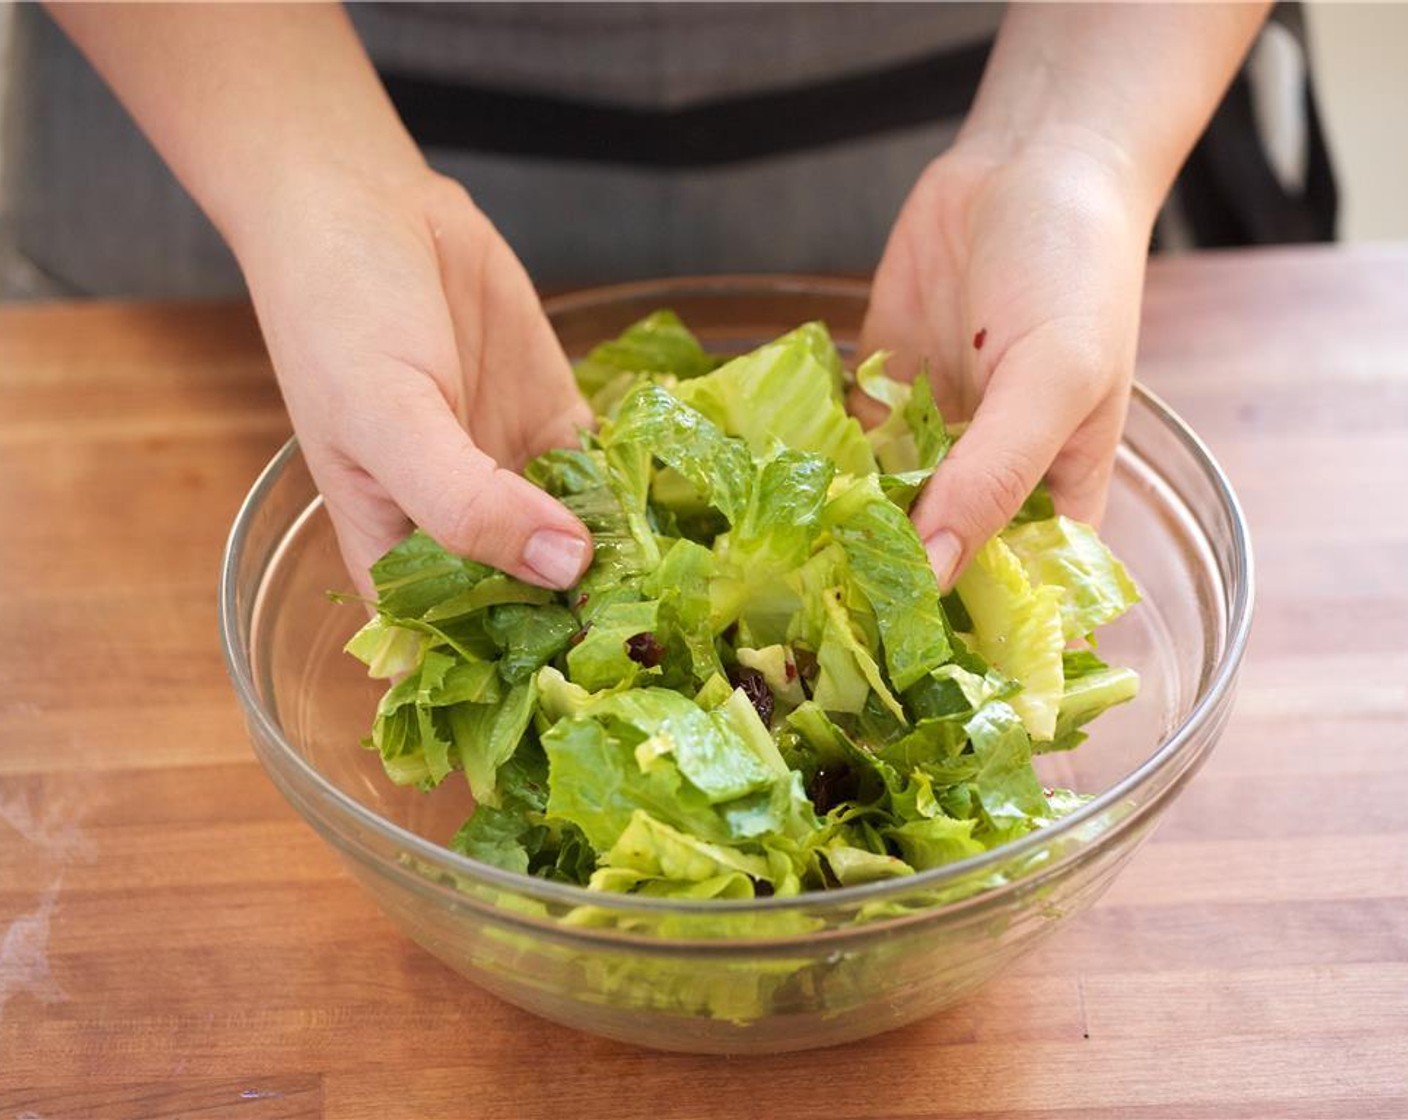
[{"x": 769, "y": 974}]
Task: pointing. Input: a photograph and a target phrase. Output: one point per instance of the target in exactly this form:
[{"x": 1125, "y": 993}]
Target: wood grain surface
[{"x": 175, "y": 942}]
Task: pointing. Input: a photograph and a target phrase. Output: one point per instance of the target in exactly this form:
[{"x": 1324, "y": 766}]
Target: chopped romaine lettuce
[
  {"x": 756, "y": 688},
  {"x": 786, "y": 392},
  {"x": 1017, "y": 628}
]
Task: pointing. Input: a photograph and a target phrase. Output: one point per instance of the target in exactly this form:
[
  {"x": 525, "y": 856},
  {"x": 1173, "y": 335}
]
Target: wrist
[
  {"x": 1127, "y": 87},
  {"x": 314, "y": 202},
  {"x": 1073, "y": 160},
  {"x": 307, "y": 190}
]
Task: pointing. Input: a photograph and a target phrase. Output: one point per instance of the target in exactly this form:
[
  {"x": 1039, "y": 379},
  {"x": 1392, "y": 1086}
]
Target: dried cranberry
[
  {"x": 755, "y": 687},
  {"x": 645, "y": 649},
  {"x": 830, "y": 786}
]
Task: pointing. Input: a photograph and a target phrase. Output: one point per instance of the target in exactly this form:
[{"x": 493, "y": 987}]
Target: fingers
[
  {"x": 367, "y": 523},
  {"x": 1079, "y": 478},
  {"x": 1032, "y": 418},
  {"x": 464, "y": 499},
  {"x": 420, "y": 371}
]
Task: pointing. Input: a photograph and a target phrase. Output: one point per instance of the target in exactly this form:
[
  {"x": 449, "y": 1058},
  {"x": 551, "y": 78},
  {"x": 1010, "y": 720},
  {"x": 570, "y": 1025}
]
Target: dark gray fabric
[
  {"x": 88, "y": 202},
  {"x": 92, "y": 210},
  {"x": 825, "y": 211},
  {"x": 86, "y": 207},
  {"x": 661, "y": 55}
]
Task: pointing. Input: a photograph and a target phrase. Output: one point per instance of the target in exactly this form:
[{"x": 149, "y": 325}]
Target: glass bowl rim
[{"x": 1178, "y": 744}]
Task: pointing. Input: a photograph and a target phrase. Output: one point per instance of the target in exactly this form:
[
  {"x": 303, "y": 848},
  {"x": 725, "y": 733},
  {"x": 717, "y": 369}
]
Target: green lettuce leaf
[
  {"x": 1092, "y": 687},
  {"x": 910, "y": 442},
  {"x": 756, "y": 687},
  {"x": 772, "y": 539},
  {"x": 387, "y": 650},
  {"x": 1037, "y": 507},
  {"x": 501, "y": 837},
  {"x": 848, "y": 672},
  {"x": 486, "y": 736},
  {"x": 529, "y": 636},
  {"x": 494, "y": 590},
  {"x": 658, "y": 344},
  {"x": 1005, "y": 783},
  {"x": 1017, "y": 628},
  {"x": 602, "y": 658},
  {"x": 517, "y": 836},
  {"x": 681, "y": 586},
  {"x": 850, "y": 866},
  {"x": 653, "y": 423},
  {"x": 787, "y": 392},
  {"x": 707, "y": 751},
  {"x": 886, "y": 559},
  {"x": 934, "y": 841},
  {"x": 406, "y": 733},
  {"x": 1095, "y": 588},
  {"x": 596, "y": 783},
  {"x": 418, "y": 574},
  {"x": 656, "y": 850}
]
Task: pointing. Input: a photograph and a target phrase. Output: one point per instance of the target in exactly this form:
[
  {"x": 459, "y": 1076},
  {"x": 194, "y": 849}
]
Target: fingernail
[
  {"x": 558, "y": 558},
  {"x": 944, "y": 551}
]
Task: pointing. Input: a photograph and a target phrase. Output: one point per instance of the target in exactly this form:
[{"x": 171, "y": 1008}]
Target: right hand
[
  {"x": 420, "y": 373},
  {"x": 1017, "y": 277}
]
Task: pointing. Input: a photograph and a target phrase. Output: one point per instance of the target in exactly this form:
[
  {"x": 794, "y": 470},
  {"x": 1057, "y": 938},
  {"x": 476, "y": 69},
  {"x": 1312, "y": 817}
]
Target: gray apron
[{"x": 811, "y": 123}]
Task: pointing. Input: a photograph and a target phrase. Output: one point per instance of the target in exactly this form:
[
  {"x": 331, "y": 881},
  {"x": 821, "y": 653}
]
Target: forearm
[
  {"x": 250, "y": 105},
  {"x": 1134, "y": 84}
]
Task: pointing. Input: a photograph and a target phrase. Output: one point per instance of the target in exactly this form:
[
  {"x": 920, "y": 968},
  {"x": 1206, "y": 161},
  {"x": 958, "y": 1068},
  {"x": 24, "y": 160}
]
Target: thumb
[{"x": 467, "y": 502}]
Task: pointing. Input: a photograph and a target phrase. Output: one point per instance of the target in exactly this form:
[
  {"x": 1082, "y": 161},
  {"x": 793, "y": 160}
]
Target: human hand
[
  {"x": 415, "y": 360},
  {"x": 1017, "y": 278},
  {"x": 392, "y": 310},
  {"x": 419, "y": 370}
]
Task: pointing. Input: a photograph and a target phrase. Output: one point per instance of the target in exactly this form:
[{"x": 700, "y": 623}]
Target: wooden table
[{"x": 174, "y": 942}]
